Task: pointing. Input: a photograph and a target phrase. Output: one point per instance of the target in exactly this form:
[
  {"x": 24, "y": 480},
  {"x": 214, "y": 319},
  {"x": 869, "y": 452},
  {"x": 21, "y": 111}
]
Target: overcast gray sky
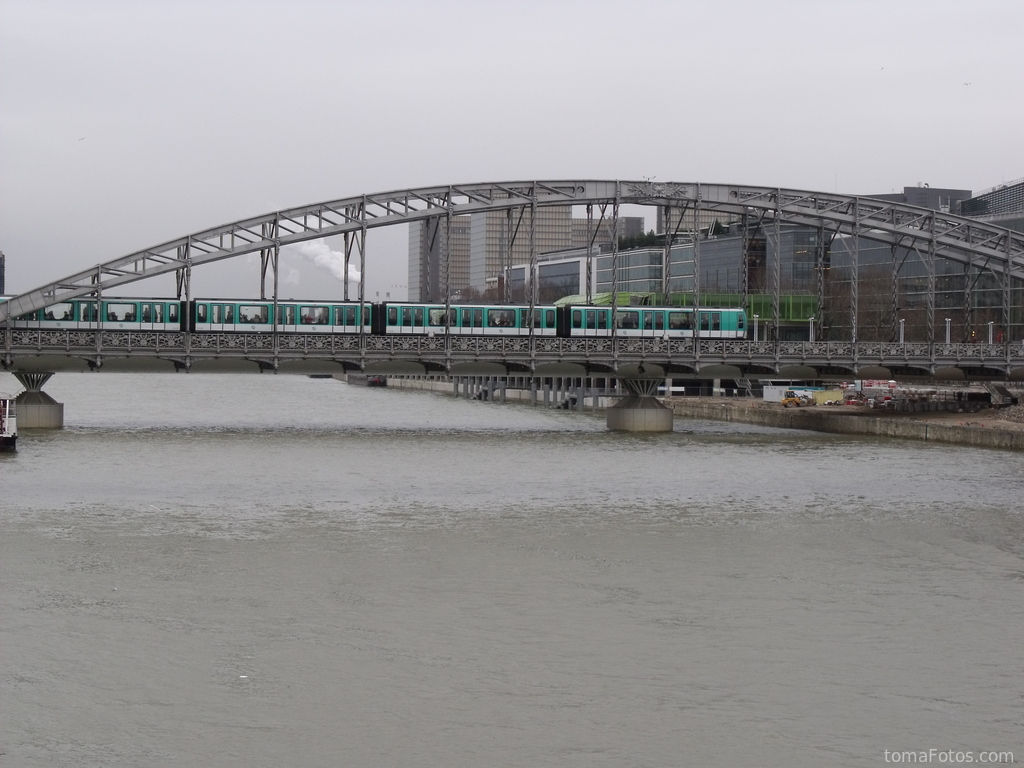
[{"x": 127, "y": 124}]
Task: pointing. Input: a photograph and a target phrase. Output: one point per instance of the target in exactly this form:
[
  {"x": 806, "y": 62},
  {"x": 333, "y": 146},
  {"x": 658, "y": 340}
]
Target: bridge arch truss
[{"x": 933, "y": 235}]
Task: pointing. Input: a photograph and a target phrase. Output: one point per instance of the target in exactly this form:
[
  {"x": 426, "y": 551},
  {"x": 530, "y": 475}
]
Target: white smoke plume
[{"x": 318, "y": 252}]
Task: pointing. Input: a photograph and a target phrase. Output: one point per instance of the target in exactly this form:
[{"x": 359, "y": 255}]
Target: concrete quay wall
[{"x": 855, "y": 424}]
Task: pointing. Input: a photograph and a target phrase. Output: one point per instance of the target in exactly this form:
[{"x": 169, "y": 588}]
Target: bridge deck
[{"x": 36, "y": 350}]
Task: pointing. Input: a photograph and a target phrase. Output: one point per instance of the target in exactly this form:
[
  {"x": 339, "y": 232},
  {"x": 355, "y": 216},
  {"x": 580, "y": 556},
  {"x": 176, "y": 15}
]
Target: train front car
[
  {"x": 121, "y": 314},
  {"x": 653, "y": 322}
]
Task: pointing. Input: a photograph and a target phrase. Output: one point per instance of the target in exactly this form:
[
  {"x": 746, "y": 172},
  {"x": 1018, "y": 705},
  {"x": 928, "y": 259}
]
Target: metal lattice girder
[{"x": 954, "y": 237}]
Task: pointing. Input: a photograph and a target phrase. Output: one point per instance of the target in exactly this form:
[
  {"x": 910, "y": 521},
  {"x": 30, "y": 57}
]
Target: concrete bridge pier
[
  {"x": 640, "y": 410},
  {"x": 36, "y": 409}
]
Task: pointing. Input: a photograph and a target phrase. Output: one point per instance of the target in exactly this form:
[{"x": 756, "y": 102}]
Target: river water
[{"x": 284, "y": 571}]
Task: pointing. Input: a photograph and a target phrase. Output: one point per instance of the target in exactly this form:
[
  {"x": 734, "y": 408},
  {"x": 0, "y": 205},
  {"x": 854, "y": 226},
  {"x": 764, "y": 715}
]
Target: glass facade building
[
  {"x": 893, "y": 285},
  {"x": 1008, "y": 198}
]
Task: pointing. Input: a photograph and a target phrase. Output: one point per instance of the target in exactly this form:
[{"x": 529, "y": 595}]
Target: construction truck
[{"x": 790, "y": 397}]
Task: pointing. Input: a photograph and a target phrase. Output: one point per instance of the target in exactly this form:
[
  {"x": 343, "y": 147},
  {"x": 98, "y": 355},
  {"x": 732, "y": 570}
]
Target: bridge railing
[{"x": 701, "y": 351}]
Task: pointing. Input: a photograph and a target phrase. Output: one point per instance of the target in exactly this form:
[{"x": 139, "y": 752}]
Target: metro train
[{"x": 390, "y": 318}]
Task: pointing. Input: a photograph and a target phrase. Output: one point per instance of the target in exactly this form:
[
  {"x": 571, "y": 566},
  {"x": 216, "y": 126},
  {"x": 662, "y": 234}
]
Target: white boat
[{"x": 8, "y": 423}]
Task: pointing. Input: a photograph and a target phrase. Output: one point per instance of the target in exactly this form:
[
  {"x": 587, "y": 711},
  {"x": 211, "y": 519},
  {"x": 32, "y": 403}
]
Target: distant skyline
[{"x": 127, "y": 124}]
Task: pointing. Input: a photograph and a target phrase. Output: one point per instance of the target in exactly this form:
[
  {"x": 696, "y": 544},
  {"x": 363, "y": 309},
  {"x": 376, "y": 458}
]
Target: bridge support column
[
  {"x": 640, "y": 410},
  {"x": 36, "y": 409}
]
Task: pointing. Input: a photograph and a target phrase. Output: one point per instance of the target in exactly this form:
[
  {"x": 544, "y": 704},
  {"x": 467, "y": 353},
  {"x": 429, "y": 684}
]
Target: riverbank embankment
[
  {"x": 985, "y": 429},
  {"x": 989, "y": 428}
]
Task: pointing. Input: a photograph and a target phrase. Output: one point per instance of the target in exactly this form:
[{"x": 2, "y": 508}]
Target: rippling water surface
[{"x": 273, "y": 570}]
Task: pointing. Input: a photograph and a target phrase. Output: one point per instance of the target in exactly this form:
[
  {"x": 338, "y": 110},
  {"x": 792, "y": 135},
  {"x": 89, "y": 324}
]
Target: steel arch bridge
[{"x": 934, "y": 235}]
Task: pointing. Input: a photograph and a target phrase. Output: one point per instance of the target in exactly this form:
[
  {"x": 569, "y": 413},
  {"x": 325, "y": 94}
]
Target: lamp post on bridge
[
  {"x": 810, "y": 334},
  {"x": 991, "y": 323},
  {"x": 948, "y": 321},
  {"x": 755, "y": 328},
  {"x": 902, "y": 325}
]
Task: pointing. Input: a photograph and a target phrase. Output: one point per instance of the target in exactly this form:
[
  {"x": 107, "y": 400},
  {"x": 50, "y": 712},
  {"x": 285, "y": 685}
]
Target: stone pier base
[
  {"x": 36, "y": 409},
  {"x": 639, "y": 414}
]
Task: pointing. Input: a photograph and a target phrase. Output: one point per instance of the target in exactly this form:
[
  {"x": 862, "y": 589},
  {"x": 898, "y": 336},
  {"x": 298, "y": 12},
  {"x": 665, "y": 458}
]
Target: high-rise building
[
  {"x": 480, "y": 245},
  {"x": 426, "y": 245}
]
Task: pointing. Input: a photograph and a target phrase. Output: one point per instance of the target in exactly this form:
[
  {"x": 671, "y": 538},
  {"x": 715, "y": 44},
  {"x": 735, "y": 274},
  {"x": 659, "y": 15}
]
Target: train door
[
  {"x": 173, "y": 318},
  {"x": 88, "y": 318},
  {"x": 222, "y": 317},
  {"x": 151, "y": 316},
  {"x": 711, "y": 325},
  {"x": 411, "y": 320},
  {"x": 345, "y": 319},
  {"x": 652, "y": 323},
  {"x": 595, "y": 322},
  {"x": 286, "y": 318},
  {"x": 472, "y": 319}
]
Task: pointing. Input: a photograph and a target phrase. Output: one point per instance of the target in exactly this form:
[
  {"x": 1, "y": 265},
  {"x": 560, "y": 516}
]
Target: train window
[
  {"x": 577, "y": 318},
  {"x": 705, "y": 321},
  {"x": 648, "y": 320},
  {"x": 252, "y": 313},
  {"x": 406, "y": 317},
  {"x": 435, "y": 317},
  {"x": 659, "y": 321},
  {"x": 680, "y": 321},
  {"x": 152, "y": 313},
  {"x": 549, "y": 318},
  {"x": 217, "y": 314},
  {"x": 172, "y": 313},
  {"x": 201, "y": 313},
  {"x": 478, "y": 318},
  {"x": 716, "y": 321},
  {"x": 417, "y": 317},
  {"x": 315, "y": 315},
  {"x": 120, "y": 313},
  {"x": 62, "y": 311},
  {"x": 602, "y": 319},
  {"x": 739, "y": 320},
  {"x": 467, "y": 318},
  {"x": 501, "y": 318},
  {"x": 392, "y": 315},
  {"x": 89, "y": 312},
  {"x": 628, "y": 320}
]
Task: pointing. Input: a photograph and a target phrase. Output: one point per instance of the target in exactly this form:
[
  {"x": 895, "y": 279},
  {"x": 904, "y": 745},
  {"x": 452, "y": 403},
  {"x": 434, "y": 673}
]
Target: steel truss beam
[{"x": 950, "y": 237}]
